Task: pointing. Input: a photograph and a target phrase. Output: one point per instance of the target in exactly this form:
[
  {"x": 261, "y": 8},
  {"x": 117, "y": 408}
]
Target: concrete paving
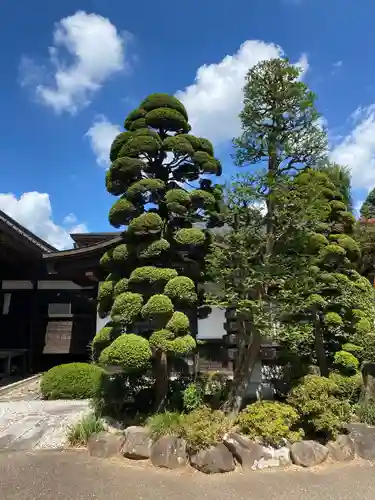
[
  {"x": 51, "y": 475},
  {"x": 29, "y": 425}
]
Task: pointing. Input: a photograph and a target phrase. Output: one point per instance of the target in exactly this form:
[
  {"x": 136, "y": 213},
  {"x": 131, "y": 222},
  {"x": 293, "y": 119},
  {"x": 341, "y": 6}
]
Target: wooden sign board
[{"x": 58, "y": 337}]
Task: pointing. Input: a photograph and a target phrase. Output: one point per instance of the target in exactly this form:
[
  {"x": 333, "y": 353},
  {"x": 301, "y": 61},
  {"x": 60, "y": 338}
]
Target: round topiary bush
[
  {"x": 346, "y": 362},
  {"x": 129, "y": 351},
  {"x": 72, "y": 381}
]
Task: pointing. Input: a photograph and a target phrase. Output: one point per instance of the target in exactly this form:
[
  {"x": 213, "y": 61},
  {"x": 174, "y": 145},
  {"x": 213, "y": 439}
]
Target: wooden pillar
[{"x": 34, "y": 324}]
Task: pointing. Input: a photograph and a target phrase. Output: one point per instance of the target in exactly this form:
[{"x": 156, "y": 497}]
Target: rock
[
  {"x": 137, "y": 443},
  {"x": 213, "y": 460},
  {"x": 363, "y": 437},
  {"x": 245, "y": 451},
  {"x": 342, "y": 449},
  {"x": 169, "y": 452},
  {"x": 279, "y": 457},
  {"x": 105, "y": 444},
  {"x": 308, "y": 453}
]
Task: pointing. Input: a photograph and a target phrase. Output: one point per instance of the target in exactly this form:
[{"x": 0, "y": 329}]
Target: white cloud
[
  {"x": 33, "y": 210},
  {"x": 214, "y": 100},
  {"x": 357, "y": 149},
  {"x": 96, "y": 51},
  {"x": 101, "y": 135}
]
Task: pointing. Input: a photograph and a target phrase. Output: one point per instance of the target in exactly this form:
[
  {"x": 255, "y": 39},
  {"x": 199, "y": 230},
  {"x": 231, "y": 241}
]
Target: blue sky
[{"x": 73, "y": 70}]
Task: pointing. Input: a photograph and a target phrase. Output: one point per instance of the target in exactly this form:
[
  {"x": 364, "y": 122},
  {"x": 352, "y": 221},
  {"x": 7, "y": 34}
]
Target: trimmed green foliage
[
  {"x": 346, "y": 362},
  {"x": 127, "y": 306},
  {"x": 151, "y": 275},
  {"x": 161, "y": 340},
  {"x": 153, "y": 186},
  {"x": 179, "y": 323},
  {"x": 121, "y": 212},
  {"x": 182, "y": 346},
  {"x": 114, "y": 186},
  {"x": 354, "y": 349},
  {"x": 140, "y": 144},
  {"x": 321, "y": 411},
  {"x": 157, "y": 305},
  {"x": 134, "y": 115},
  {"x": 178, "y": 145},
  {"x": 167, "y": 119},
  {"x": 106, "y": 260},
  {"x": 178, "y": 196},
  {"x": 121, "y": 286},
  {"x": 181, "y": 289},
  {"x": 269, "y": 422},
  {"x": 79, "y": 433},
  {"x": 120, "y": 254},
  {"x": 333, "y": 319},
  {"x": 202, "y": 199},
  {"x": 126, "y": 168},
  {"x": 118, "y": 143},
  {"x": 153, "y": 249},
  {"x": 190, "y": 236},
  {"x": 129, "y": 351},
  {"x": 349, "y": 387},
  {"x": 102, "y": 339},
  {"x": 71, "y": 381},
  {"x": 146, "y": 223},
  {"x": 105, "y": 297},
  {"x": 155, "y": 101}
]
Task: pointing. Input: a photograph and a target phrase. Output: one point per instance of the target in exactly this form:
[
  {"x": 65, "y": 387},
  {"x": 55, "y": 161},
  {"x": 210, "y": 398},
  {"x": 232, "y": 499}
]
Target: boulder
[
  {"x": 137, "y": 443},
  {"x": 363, "y": 437},
  {"x": 308, "y": 453},
  {"x": 213, "y": 460},
  {"x": 245, "y": 451},
  {"x": 169, "y": 452},
  {"x": 342, "y": 449},
  {"x": 105, "y": 444}
]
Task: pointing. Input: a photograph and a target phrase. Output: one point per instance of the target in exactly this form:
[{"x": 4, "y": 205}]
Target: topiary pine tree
[
  {"x": 151, "y": 288},
  {"x": 337, "y": 300}
]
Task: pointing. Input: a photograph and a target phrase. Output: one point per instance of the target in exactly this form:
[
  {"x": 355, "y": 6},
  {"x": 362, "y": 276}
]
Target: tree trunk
[
  {"x": 319, "y": 346},
  {"x": 161, "y": 380},
  {"x": 247, "y": 357}
]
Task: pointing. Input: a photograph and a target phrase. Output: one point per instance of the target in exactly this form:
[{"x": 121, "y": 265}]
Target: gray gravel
[{"x": 73, "y": 475}]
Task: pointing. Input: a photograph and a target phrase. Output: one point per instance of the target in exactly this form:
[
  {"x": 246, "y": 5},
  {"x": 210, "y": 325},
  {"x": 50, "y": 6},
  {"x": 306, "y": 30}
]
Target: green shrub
[
  {"x": 366, "y": 412},
  {"x": 349, "y": 388},
  {"x": 270, "y": 422},
  {"x": 317, "y": 400},
  {"x": 79, "y": 433},
  {"x": 193, "y": 397},
  {"x": 102, "y": 339},
  {"x": 346, "y": 362},
  {"x": 164, "y": 424},
  {"x": 204, "y": 427},
  {"x": 129, "y": 351},
  {"x": 71, "y": 381}
]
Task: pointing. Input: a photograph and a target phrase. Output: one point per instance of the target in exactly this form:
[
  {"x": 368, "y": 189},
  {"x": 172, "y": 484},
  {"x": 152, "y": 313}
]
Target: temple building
[{"x": 48, "y": 304}]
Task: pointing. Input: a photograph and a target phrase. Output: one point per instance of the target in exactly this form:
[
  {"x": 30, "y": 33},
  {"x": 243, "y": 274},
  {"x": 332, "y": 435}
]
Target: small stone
[
  {"x": 308, "y": 453},
  {"x": 245, "y": 451},
  {"x": 363, "y": 437},
  {"x": 105, "y": 444},
  {"x": 137, "y": 443},
  {"x": 169, "y": 452},
  {"x": 213, "y": 460},
  {"x": 342, "y": 449}
]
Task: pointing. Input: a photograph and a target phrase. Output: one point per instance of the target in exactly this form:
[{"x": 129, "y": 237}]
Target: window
[
  {"x": 6, "y": 303},
  {"x": 59, "y": 308}
]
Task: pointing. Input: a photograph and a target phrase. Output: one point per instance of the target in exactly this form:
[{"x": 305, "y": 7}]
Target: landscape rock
[
  {"x": 308, "y": 453},
  {"x": 363, "y": 437},
  {"x": 245, "y": 451},
  {"x": 213, "y": 460},
  {"x": 105, "y": 444},
  {"x": 342, "y": 449},
  {"x": 137, "y": 443},
  {"x": 169, "y": 452}
]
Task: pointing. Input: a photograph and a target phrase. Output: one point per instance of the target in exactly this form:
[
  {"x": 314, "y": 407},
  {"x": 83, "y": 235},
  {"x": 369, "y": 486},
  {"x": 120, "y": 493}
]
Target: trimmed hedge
[{"x": 71, "y": 381}]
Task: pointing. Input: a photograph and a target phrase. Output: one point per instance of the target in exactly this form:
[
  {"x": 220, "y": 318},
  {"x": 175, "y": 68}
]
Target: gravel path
[
  {"x": 33, "y": 425},
  {"x": 26, "y": 391},
  {"x": 74, "y": 475}
]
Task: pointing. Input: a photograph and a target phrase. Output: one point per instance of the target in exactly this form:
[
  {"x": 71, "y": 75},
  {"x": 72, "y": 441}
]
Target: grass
[{"x": 79, "y": 433}]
